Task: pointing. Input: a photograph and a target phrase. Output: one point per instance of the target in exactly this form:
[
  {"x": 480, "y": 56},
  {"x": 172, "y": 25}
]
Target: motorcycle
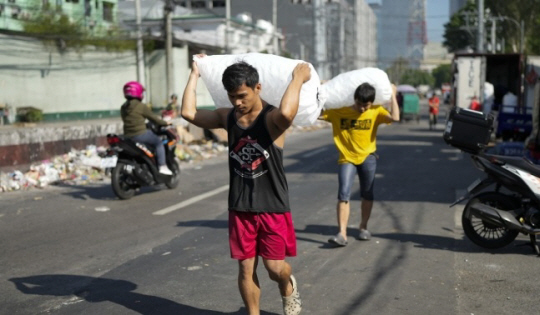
[
  {"x": 133, "y": 165},
  {"x": 493, "y": 218},
  {"x": 504, "y": 203}
]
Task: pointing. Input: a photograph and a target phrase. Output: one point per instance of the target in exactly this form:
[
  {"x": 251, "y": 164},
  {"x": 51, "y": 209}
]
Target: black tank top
[{"x": 257, "y": 178}]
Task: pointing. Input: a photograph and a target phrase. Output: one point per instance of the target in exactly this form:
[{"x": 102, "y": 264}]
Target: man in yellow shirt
[{"x": 354, "y": 131}]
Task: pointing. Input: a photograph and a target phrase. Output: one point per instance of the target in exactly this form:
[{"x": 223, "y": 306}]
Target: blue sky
[{"x": 437, "y": 14}]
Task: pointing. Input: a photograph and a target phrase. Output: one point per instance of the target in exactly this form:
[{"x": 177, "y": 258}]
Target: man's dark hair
[
  {"x": 364, "y": 93},
  {"x": 239, "y": 73}
]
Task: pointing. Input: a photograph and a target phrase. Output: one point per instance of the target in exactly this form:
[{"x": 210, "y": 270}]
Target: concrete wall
[
  {"x": 90, "y": 81},
  {"x": 181, "y": 69},
  {"x": 20, "y": 147},
  {"x": 31, "y": 75},
  {"x": 72, "y": 82}
]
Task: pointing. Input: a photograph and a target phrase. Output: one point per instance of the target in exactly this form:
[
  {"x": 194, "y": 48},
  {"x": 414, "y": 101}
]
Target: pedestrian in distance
[
  {"x": 399, "y": 98},
  {"x": 433, "y": 103},
  {"x": 260, "y": 222},
  {"x": 475, "y": 104},
  {"x": 134, "y": 114},
  {"x": 172, "y": 109},
  {"x": 354, "y": 131}
]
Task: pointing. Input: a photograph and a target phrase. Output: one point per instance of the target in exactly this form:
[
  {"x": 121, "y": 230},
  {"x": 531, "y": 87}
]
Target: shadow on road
[
  {"x": 215, "y": 224},
  {"x": 97, "y": 290},
  {"x": 418, "y": 240},
  {"x": 101, "y": 191},
  {"x": 456, "y": 245}
]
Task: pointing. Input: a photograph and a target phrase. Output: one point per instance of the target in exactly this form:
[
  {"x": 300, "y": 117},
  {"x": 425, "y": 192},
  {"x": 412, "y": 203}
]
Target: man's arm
[
  {"x": 283, "y": 118},
  {"x": 207, "y": 119},
  {"x": 394, "y": 108}
]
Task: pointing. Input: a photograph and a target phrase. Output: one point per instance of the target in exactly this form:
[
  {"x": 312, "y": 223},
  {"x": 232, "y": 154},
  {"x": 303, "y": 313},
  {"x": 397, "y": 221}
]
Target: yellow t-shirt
[{"x": 354, "y": 132}]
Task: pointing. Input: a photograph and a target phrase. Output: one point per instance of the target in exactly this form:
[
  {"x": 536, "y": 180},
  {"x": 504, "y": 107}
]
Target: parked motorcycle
[
  {"x": 504, "y": 203},
  {"x": 494, "y": 217},
  {"x": 134, "y": 165}
]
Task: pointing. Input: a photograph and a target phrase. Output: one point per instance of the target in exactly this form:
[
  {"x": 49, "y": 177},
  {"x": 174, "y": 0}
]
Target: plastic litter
[{"x": 80, "y": 167}]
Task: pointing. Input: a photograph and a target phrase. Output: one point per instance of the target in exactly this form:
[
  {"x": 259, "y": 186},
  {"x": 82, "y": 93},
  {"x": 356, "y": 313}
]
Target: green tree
[
  {"x": 532, "y": 43},
  {"x": 442, "y": 74},
  {"x": 56, "y": 29},
  {"x": 396, "y": 70},
  {"x": 458, "y": 32},
  {"x": 510, "y": 14},
  {"x": 417, "y": 77}
]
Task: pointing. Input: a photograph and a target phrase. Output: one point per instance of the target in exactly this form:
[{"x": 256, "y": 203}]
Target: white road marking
[
  {"x": 190, "y": 201},
  {"x": 312, "y": 153}
]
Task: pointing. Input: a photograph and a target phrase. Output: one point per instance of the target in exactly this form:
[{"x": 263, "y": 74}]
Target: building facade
[
  {"x": 347, "y": 40},
  {"x": 97, "y": 16},
  {"x": 401, "y": 31}
]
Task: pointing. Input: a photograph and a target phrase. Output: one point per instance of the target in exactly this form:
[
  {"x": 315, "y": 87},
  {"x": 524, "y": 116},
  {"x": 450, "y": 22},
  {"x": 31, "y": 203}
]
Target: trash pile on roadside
[{"x": 80, "y": 167}]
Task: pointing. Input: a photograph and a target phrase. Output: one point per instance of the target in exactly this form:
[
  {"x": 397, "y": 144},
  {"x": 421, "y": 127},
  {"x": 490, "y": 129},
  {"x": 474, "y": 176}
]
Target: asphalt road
[{"x": 79, "y": 250}]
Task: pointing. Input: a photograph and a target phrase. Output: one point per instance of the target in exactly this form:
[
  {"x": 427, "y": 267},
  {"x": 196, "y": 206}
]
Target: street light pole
[
  {"x": 522, "y": 39},
  {"x": 227, "y": 24},
  {"x": 274, "y": 21},
  {"x": 140, "y": 54},
  {"x": 480, "y": 35},
  {"x": 169, "y": 71},
  {"x": 521, "y": 26}
]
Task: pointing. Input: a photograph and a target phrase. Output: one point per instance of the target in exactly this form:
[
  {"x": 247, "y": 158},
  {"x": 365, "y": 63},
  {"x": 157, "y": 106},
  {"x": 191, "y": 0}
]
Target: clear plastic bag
[
  {"x": 339, "y": 90},
  {"x": 275, "y": 73}
]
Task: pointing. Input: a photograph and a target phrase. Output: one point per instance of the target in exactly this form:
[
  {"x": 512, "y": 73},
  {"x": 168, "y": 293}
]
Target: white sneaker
[{"x": 163, "y": 169}]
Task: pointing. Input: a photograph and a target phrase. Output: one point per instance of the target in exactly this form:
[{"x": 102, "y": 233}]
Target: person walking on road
[
  {"x": 260, "y": 222},
  {"x": 433, "y": 103},
  {"x": 354, "y": 130}
]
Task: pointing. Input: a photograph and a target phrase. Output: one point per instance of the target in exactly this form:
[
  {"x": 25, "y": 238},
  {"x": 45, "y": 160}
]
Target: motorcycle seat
[{"x": 520, "y": 162}]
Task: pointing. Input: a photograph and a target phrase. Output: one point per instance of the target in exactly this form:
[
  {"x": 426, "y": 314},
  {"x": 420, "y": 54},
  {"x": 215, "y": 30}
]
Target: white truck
[{"x": 501, "y": 75}]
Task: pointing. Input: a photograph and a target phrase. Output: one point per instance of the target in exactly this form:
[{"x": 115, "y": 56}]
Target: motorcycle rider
[{"x": 134, "y": 112}]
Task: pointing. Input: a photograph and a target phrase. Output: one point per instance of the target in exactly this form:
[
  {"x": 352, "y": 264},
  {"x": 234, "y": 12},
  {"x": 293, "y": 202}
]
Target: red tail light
[{"x": 112, "y": 140}]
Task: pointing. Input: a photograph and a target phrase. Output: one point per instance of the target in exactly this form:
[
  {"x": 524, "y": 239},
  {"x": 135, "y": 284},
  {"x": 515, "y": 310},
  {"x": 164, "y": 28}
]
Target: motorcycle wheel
[
  {"x": 122, "y": 184},
  {"x": 485, "y": 234},
  {"x": 175, "y": 179}
]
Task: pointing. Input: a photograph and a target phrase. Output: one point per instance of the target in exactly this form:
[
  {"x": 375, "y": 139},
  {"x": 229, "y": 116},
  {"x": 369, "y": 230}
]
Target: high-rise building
[
  {"x": 346, "y": 29},
  {"x": 401, "y": 31}
]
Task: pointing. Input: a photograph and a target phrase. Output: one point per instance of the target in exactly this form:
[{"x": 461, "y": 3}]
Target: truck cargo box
[{"x": 468, "y": 130}]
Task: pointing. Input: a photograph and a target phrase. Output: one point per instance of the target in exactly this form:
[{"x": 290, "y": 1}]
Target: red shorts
[{"x": 269, "y": 235}]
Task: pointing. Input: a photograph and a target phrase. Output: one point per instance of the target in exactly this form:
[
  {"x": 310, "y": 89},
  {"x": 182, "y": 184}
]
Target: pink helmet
[{"x": 133, "y": 89}]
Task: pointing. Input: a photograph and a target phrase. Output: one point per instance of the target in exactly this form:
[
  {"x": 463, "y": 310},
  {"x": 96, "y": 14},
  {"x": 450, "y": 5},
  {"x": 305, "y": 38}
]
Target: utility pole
[
  {"x": 342, "y": 58},
  {"x": 480, "y": 35},
  {"x": 227, "y": 24},
  {"x": 169, "y": 65},
  {"x": 319, "y": 37},
  {"x": 140, "y": 52},
  {"x": 274, "y": 21},
  {"x": 493, "y": 35}
]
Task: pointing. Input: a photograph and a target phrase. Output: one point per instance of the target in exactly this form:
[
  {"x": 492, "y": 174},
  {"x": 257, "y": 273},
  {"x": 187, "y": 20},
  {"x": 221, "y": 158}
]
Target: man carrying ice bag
[
  {"x": 354, "y": 130},
  {"x": 260, "y": 222}
]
